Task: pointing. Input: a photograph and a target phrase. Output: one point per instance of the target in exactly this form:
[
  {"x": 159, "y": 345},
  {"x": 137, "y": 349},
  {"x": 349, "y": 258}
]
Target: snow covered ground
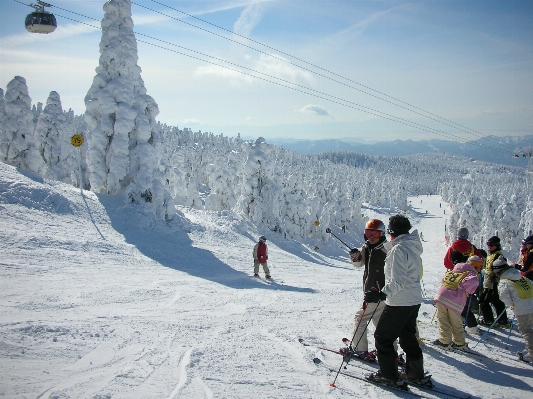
[{"x": 98, "y": 301}]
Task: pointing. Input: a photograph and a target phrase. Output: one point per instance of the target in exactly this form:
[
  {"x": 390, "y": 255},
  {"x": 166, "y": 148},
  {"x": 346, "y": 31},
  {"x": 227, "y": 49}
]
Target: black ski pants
[
  {"x": 492, "y": 297},
  {"x": 397, "y": 322}
]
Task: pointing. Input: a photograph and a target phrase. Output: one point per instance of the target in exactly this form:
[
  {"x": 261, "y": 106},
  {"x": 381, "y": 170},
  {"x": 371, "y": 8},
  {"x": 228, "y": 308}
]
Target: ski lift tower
[{"x": 526, "y": 152}]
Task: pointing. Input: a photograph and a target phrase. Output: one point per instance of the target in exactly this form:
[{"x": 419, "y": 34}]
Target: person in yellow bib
[
  {"x": 450, "y": 301},
  {"x": 517, "y": 291}
]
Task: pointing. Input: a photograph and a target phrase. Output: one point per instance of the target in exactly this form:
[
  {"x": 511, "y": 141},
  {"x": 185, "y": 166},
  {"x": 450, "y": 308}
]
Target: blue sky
[{"x": 470, "y": 62}]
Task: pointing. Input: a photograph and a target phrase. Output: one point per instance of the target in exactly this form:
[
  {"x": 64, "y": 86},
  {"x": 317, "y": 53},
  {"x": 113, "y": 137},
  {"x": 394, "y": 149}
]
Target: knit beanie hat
[
  {"x": 475, "y": 261},
  {"x": 494, "y": 240},
  {"x": 462, "y": 233},
  {"x": 499, "y": 264}
]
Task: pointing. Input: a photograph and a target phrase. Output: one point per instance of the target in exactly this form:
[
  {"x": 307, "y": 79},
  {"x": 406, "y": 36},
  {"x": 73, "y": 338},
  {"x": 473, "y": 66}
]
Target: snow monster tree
[{"x": 120, "y": 116}]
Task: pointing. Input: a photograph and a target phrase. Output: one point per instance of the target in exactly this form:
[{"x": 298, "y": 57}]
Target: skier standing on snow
[
  {"x": 371, "y": 256},
  {"x": 461, "y": 245},
  {"x": 490, "y": 287},
  {"x": 517, "y": 291},
  {"x": 527, "y": 258},
  {"x": 451, "y": 300},
  {"x": 403, "y": 295},
  {"x": 470, "y": 320},
  {"x": 260, "y": 254}
]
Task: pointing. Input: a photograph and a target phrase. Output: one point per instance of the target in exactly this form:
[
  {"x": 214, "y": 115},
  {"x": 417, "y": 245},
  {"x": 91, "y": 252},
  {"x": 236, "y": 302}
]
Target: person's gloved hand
[
  {"x": 517, "y": 266},
  {"x": 355, "y": 255},
  {"x": 375, "y": 296}
]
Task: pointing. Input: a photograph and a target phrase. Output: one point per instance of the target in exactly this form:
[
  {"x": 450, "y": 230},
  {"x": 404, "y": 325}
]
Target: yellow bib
[
  {"x": 523, "y": 287},
  {"x": 452, "y": 279}
]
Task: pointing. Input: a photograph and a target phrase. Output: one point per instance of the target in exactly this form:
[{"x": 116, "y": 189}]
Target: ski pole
[
  {"x": 423, "y": 289},
  {"x": 365, "y": 307},
  {"x": 467, "y": 315},
  {"x": 492, "y": 325},
  {"x": 509, "y": 335},
  {"x": 434, "y": 314},
  {"x": 371, "y": 317},
  {"x": 328, "y": 230},
  {"x": 340, "y": 368}
]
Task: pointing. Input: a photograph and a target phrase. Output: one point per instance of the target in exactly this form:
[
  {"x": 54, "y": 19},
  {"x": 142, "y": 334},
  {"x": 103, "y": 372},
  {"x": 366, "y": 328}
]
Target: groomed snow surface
[{"x": 99, "y": 301}]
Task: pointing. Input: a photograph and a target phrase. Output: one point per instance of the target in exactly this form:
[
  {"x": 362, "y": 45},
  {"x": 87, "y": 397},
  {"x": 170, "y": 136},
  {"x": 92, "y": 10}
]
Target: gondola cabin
[{"x": 40, "y": 21}]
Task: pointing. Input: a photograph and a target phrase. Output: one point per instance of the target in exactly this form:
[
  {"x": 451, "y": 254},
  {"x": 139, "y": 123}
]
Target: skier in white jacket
[
  {"x": 517, "y": 291},
  {"x": 402, "y": 294}
]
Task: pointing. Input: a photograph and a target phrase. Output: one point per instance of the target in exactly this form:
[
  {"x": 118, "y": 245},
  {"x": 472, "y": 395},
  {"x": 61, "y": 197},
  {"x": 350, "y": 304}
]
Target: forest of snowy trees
[{"x": 127, "y": 152}]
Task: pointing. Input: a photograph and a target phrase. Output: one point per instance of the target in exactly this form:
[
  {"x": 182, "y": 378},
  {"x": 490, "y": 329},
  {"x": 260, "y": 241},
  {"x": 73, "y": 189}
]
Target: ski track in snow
[
  {"x": 104, "y": 303},
  {"x": 182, "y": 374}
]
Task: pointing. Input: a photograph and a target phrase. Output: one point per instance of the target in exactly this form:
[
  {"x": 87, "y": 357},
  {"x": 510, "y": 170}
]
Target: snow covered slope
[{"x": 99, "y": 301}]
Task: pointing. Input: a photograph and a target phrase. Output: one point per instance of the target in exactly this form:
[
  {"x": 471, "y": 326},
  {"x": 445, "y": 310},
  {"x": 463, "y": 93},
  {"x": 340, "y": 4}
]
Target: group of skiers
[
  {"x": 485, "y": 278},
  {"x": 393, "y": 295}
]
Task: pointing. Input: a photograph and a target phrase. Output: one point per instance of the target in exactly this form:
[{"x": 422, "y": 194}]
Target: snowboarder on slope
[
  {"x": 260, "y": 254},
  {"x": 403, "y": 295},
  {"x": 517, "y": 291},
  {"x": 371, "y": 256},
  {"x": 461, "y": 245}
]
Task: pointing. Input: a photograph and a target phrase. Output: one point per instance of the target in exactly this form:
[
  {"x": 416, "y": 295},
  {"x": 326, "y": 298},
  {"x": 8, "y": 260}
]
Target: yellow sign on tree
[{"x": 77, "y": 140}]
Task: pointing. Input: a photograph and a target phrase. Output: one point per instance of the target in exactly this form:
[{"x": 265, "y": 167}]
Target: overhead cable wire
[
  {"x": 425, "y": 114},
  {"x": 331, "y": 98},
  {"x": 301, "y": 89},
  {"x": 414, "y": 124}
]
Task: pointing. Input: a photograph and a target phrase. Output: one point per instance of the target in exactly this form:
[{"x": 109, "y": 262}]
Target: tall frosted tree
[
  {"x": 45, "y": 155},
  {"x": 120, "y": 115},
  {"x": 17, "y": 126},
  {"x": 2, "y": 107}
]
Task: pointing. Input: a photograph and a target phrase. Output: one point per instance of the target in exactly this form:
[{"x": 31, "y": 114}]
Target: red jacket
[
  {"x": 463, "y": 246},
  {"x": 262, "y": 254}
]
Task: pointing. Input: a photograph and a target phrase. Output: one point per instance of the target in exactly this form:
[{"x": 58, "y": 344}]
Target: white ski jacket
[
  {"x": 403, "y": 267},
  {"x": 509, "y": 295}
]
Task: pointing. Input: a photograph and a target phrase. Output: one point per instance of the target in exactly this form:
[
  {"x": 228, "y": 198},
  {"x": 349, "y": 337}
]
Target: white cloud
[
  {"x": 192, "y": 121},
  {"x": 268, "y": 66},
  {"x": 248, "y": 19},
  {"x": 312, "y": 109},
  {"x": 214, "y": 70},
  {"x": 275, "y": 66},
  {"x": 62, "y": 32}
]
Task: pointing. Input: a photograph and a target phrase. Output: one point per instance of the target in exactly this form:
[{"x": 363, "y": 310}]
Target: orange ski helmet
[{"x": 375, "y": 224}]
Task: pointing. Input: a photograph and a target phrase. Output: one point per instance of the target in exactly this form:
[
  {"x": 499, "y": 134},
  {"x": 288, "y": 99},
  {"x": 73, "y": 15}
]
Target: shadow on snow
[{"x": 170, "y": 246}]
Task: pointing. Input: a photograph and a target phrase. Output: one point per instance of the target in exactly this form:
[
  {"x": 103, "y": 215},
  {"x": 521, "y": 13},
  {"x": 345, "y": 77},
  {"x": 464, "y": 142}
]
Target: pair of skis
[{"x": 404, "y": 389}]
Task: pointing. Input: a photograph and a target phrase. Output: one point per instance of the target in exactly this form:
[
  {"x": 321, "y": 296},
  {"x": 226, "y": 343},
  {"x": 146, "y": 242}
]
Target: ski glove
[
  {"x": 356, "y": 255},
  {"x": 375, "y": 296}
]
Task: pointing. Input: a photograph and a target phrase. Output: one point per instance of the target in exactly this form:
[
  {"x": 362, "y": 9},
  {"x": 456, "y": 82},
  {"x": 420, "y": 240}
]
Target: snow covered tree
[
  {"x": 17, "y": 126},
  {"x": 2, "y": 107},
  {"x": 120, "y": 115},
  {"x": 50, "y": 130}
]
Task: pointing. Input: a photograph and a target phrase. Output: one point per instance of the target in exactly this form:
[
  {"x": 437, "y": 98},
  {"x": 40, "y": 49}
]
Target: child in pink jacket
[{"x": 450, "y": 301}]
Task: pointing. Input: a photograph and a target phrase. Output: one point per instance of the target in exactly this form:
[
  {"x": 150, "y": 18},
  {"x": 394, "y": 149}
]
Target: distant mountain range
[{"x": 490, "y": 148}]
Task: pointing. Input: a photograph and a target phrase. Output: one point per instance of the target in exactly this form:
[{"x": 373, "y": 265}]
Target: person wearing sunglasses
[
  {"x": 371, "y": 256},
  {"x": 402, "y": 294}
]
